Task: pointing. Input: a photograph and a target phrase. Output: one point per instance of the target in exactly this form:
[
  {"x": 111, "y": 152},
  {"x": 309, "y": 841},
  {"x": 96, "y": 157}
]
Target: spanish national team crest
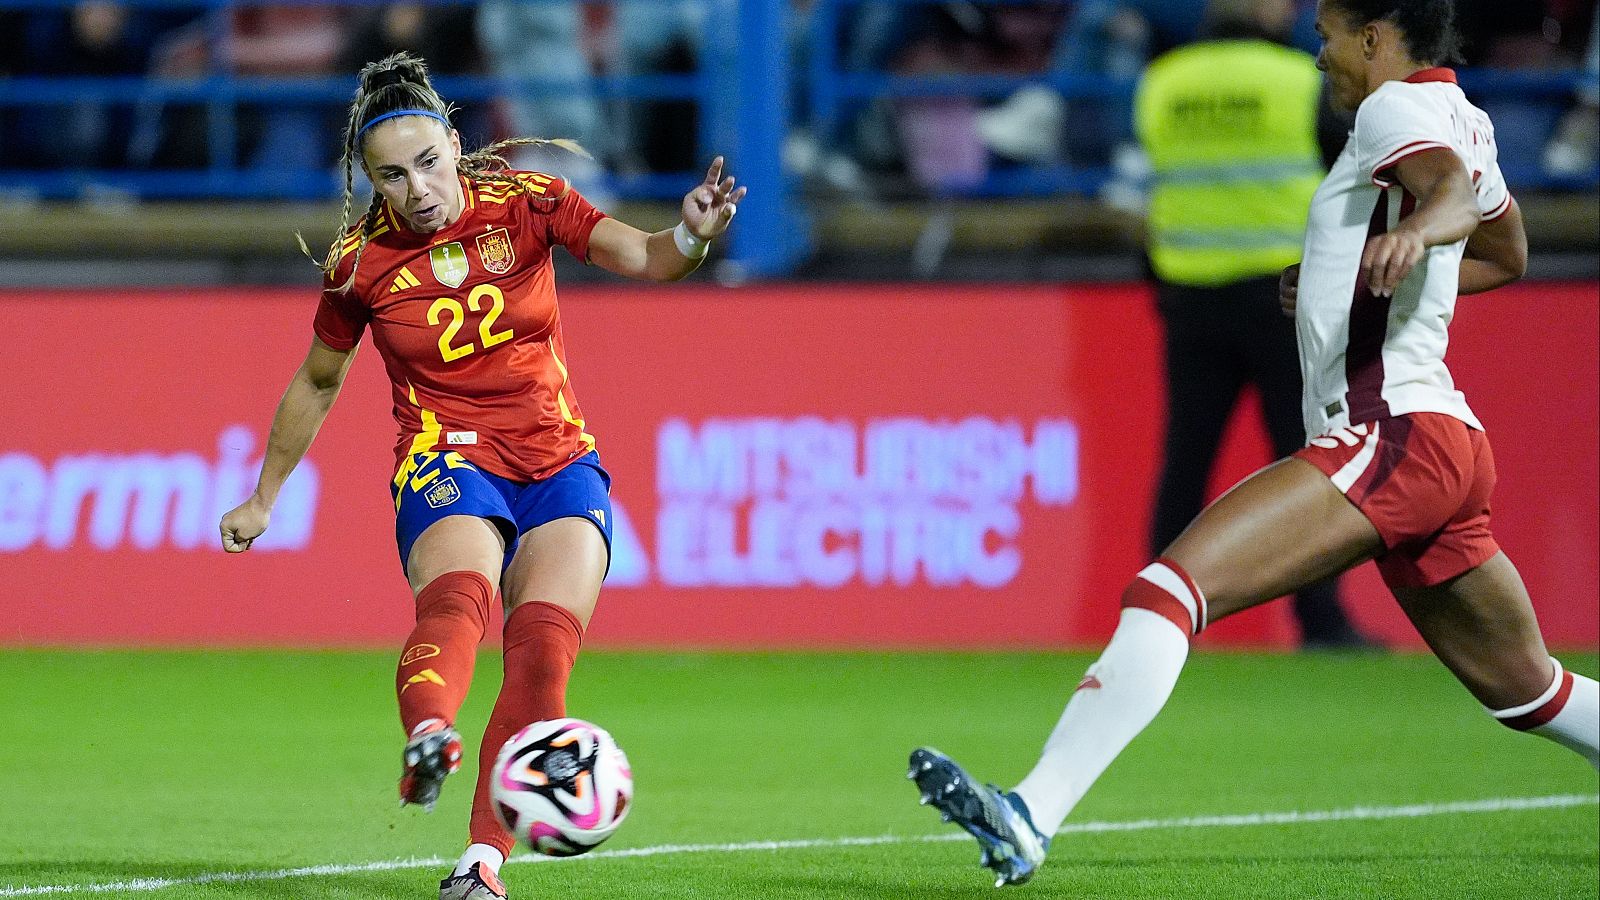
[
  {"x": 449, "y": 263},
  {"x": 443, "y": 494},
  {"x": 495, "y": 252}
]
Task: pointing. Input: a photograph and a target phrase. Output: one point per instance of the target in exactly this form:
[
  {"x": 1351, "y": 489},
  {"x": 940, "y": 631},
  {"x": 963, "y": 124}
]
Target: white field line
[{"x": 1354, "y": 813}]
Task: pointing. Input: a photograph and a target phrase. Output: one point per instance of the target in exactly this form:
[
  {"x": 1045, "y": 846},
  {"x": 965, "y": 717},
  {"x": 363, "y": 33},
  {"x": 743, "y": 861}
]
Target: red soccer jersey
[{"x": 467, "y": 324}]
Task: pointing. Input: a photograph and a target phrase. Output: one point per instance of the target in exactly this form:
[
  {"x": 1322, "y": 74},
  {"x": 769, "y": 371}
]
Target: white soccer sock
[
  {"x": 1118, "y": 697},
  {"x": 1568, "y": 712},
  {"x": 492, "y": 858}
]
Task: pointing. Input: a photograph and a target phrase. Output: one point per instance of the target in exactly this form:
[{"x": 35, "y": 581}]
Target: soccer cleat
[
  {"x": 479, "y": 883},
  {"x": 1010, "y": 844},
  {"x": 430, "y": 755}
]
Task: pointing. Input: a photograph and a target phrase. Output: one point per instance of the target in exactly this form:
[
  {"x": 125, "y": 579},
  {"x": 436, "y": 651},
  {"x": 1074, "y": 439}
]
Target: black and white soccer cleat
[
  {"x": 431, "y": 754},
  {"x": 1010, "y": 844},
  {"x": 478, "y": 883}
]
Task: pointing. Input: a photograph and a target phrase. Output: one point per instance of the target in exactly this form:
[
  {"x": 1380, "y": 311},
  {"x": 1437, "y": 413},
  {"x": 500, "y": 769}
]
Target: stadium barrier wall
[{"x": 804, "y": 465}]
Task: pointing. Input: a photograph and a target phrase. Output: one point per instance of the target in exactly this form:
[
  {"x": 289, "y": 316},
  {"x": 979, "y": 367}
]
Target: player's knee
[
  {"x": 576, "y": 610},
  {"x": 466, "y": 594},
  {"x": 1164, "y": 588}
]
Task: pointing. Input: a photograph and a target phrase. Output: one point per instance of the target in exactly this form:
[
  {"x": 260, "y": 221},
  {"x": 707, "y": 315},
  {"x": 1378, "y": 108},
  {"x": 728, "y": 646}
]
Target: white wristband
[{"x": 689, "y": 244}]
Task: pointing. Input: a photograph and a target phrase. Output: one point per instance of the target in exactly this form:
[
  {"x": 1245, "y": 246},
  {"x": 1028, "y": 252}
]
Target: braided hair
[{"x": 393, "y": 84}]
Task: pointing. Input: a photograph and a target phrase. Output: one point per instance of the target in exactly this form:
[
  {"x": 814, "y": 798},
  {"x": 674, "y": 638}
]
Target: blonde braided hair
[{"x": 400, "y": 82}]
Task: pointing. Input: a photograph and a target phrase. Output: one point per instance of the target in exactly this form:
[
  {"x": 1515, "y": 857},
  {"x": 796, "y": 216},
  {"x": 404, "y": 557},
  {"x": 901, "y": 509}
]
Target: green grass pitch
[{"x": 211, "y": 774}]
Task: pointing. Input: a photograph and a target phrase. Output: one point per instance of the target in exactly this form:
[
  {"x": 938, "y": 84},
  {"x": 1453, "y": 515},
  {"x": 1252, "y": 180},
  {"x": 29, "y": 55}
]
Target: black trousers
[{"x": 1217, "y": 341}]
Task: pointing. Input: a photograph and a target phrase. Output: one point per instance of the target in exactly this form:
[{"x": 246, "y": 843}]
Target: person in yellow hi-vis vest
[{"x": 1229, "y": 125}]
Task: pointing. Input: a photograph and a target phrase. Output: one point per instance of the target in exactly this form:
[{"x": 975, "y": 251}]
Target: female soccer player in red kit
[
  {"x": 500, "y": 499},
  {"x": 1398, "y": 468}
]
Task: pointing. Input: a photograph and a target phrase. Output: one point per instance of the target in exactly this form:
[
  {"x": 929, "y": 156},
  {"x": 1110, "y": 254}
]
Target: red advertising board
[{"x": 834, "y": 465}]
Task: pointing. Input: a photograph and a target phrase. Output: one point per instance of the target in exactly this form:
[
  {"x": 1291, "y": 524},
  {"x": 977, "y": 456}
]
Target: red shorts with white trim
[{"x": 1423, "y": 480}]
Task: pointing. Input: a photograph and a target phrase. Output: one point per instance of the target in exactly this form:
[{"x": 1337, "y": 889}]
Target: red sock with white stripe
[
  {"x": 1120, "y": 694},
  {"x": 1568, "y": 712}
]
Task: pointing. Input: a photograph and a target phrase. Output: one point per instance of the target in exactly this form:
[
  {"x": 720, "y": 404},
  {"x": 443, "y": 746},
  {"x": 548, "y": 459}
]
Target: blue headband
[{"x": 402, "y": 112}]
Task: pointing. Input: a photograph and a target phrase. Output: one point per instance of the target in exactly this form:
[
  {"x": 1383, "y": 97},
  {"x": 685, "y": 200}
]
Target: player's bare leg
[
  {"x": 1284, "y": 527},
  {"x": 561, "y": 562},
  {"x": 1278, "y": 530},
  {"x": 452, "y": 567},
  {"x": 1482, "y": 626},
  {"x": 550, "y": 591}
]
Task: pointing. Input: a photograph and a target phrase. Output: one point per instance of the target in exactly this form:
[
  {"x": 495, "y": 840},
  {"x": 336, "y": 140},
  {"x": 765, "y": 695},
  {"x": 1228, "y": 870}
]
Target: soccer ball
[{"x": 562, "y": 786}]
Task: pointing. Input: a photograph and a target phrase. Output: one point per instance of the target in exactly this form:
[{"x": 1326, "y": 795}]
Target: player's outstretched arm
[
  {"x": 1446, "y": 212},
  {"x": 671, "y": 254},
  {"x": 1497, "y": 253},
  {"x": 304, "y": 406}
]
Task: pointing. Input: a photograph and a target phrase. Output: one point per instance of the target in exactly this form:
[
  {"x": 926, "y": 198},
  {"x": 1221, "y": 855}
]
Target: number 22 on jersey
[{"x": 449, "y": 311}]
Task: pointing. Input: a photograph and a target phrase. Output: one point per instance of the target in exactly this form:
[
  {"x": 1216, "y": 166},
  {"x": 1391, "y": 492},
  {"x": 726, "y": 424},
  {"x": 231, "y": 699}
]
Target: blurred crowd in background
[{"x": 927, "y": 143}]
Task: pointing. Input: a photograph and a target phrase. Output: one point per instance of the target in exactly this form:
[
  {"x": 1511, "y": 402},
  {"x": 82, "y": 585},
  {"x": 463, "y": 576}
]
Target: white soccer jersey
[{"x": 1365, "y": 357}]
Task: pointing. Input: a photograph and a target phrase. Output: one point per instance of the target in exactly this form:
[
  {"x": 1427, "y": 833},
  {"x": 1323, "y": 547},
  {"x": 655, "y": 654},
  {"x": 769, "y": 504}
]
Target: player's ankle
[
  {"x": 427, "y": 725},
  {"x": 491, "y": 857}
]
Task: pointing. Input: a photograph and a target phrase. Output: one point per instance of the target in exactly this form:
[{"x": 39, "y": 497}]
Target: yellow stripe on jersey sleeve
[
  {"x": 498, "y": 193},
  {"x": 534, "y": 183}
]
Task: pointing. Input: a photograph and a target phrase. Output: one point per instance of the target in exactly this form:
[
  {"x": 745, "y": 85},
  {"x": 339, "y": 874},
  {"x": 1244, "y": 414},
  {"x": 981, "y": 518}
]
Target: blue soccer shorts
[{"x": 445, "y": 484}]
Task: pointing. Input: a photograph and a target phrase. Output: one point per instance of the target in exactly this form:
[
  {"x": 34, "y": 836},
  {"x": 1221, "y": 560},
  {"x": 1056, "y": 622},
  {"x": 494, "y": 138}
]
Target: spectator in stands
[
  {"x": 857, "y": 136},
  {"x": 1102, "y": 39},
  {"x": 939, "y": 135},
  {"x": 943, "y": 147},
  {"x": 91, "y": 38},
  {"x": 658, "y": 37},
  {"x": 523, "y": 40},
  {"x": 13, "y": 44},
  {"x": 1230, "y": 127},
  {"x": 1575, "y": 149},
  {"x": 1526, "y": 35},
  {"x": 442, "y": 34},
  {"x": 283, "y": 40}
]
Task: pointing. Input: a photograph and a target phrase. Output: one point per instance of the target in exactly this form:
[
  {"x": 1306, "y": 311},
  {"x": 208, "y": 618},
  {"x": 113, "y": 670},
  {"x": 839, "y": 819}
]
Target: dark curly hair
[{"x": 1429, "y": 26}]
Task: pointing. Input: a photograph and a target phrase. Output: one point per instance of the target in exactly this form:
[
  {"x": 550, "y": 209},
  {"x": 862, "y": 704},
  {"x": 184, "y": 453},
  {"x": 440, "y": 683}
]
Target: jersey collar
[{"x": 1438, "y": 73}]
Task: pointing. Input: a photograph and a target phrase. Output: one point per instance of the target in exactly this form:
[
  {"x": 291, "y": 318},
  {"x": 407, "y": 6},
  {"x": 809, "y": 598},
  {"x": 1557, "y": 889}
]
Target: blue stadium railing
[{"x": 742, "y": 88}]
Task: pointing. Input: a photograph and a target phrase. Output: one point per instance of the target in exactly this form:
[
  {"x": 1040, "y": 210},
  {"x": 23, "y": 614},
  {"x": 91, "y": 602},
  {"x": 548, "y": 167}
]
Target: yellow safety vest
[{"x": 1230, "y": 128}]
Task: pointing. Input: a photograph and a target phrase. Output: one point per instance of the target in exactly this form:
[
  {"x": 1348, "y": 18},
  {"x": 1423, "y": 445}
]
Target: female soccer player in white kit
[{"x": 1398, "y": 468}]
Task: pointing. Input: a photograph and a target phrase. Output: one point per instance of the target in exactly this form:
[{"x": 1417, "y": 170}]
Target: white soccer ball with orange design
[{"x": 562, "y": 786}]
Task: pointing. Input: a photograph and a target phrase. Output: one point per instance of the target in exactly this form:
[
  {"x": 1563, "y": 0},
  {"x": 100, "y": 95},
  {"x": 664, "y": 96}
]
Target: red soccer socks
[
  {"x": 436, "y": 666},
  {"x": 541, "y": 644}
]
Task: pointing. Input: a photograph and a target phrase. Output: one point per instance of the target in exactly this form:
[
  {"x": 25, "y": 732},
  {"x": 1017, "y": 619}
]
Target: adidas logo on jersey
[{"x": 403, "y": 281}]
